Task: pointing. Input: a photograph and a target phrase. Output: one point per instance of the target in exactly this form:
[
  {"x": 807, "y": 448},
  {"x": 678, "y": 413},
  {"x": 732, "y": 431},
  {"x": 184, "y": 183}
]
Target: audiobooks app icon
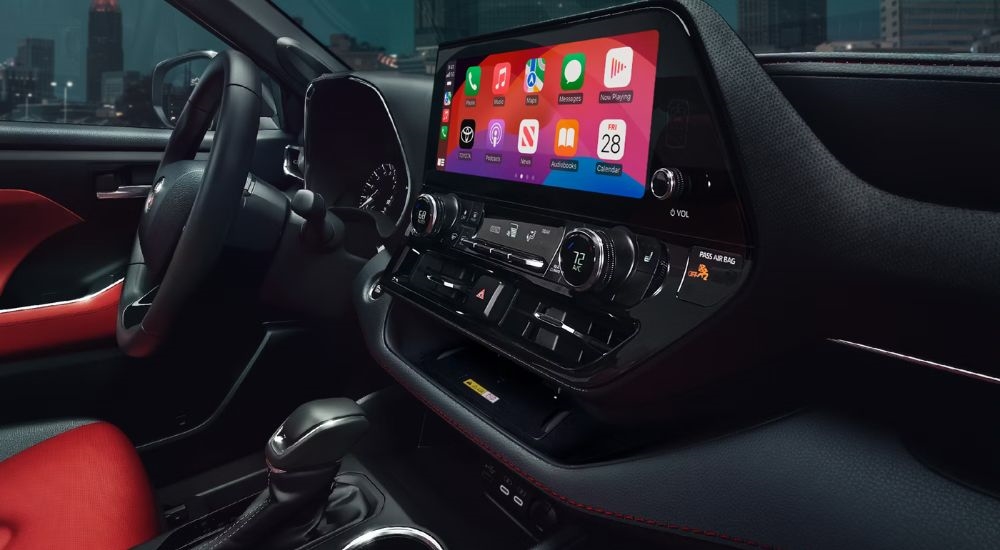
[{"x": 567, "y": 136}]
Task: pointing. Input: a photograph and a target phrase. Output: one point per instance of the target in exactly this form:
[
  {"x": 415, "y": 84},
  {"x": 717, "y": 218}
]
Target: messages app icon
[
  {"x": 573, "y": 67},
  {"x": 473, "y": 76}
]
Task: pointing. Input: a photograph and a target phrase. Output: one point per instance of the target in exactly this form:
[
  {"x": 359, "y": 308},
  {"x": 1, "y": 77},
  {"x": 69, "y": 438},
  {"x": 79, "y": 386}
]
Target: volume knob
[{"x": 667, "y": 183}]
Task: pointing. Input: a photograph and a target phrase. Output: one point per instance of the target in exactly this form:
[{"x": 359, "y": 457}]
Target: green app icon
[
  {"x": 573, "y": 67},
  {"x": 473, "y": 75},
  {"x": 444, "y": 132}
]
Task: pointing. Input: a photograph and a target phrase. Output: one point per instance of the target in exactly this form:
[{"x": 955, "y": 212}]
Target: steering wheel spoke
[{"x": 187, "y": 216}]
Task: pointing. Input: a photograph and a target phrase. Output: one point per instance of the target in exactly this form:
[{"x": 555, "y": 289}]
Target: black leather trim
[{"x": 18, "y": 437}]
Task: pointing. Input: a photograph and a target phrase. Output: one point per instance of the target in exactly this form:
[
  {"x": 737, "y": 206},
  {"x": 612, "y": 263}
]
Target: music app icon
[
  {"x": 618, "y": 67},
  {"x": 501, "y": 78}
]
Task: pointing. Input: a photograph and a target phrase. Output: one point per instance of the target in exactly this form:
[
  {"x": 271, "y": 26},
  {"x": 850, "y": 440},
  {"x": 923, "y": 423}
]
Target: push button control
[{"x": 487, "y": 299}]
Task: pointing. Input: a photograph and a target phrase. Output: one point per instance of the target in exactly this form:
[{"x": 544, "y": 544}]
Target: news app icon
[
  {"x": 527, "y": 137},
  {"x": 618, "y": 67}
]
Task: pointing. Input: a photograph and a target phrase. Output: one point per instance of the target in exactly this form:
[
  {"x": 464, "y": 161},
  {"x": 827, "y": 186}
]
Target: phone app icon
[
  {"x": 494, "y": 132},
  {"x": 444, "y": 132},
  {"x": 467, "y": 134},
  {"x": 501, "y": 78},
  {"x": 567, "y": 137},
  {"x": 473, "y": 77},
  {"x": 527, "y": 136},
  {"x": 445, "y": 116},
  {"x": 534, "y": 75},
  {"x": 573, "y": 67},
  {"x": 611, "y": 139},
  {"x": 618, "y": 67},
  {"x": 447, "y": 99}
]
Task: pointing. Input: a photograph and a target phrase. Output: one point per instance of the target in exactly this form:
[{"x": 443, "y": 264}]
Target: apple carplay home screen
[{"x": 574, "y": 115}]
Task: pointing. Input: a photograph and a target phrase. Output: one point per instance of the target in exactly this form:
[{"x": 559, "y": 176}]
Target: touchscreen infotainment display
[{"x": 575, "y": 115}]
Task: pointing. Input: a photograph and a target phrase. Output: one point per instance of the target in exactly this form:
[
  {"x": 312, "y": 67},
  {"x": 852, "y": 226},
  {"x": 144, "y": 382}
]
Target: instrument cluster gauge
[{"x": 382, "y": 192}]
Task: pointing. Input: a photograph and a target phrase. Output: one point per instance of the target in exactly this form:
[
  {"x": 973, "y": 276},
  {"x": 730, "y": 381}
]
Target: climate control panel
[{"x": 573, "y": 297}]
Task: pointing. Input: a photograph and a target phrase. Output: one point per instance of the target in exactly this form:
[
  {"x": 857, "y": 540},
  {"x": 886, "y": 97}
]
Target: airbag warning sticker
[{"x": 483, "y": 392}]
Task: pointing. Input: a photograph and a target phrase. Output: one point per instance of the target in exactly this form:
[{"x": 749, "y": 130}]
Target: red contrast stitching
[{"x": 554, "y": 494}]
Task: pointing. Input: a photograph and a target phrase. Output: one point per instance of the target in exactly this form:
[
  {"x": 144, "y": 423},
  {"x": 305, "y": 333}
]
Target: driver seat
[{"x": 72, "y": 484}]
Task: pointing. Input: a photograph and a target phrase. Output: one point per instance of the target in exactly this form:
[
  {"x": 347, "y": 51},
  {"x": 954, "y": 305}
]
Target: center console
[{"x": 579, "y": 210}]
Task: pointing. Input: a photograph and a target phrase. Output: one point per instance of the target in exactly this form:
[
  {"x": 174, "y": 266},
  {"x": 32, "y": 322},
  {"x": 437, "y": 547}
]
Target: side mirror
[{"x": 174, "y": 79}]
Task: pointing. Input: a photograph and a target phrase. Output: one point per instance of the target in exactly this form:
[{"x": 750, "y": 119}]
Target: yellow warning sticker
[{"x": 483, "y": 392}]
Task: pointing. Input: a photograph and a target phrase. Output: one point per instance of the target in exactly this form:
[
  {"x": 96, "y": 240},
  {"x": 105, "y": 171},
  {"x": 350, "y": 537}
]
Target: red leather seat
[{"x": 72, "y": 484}]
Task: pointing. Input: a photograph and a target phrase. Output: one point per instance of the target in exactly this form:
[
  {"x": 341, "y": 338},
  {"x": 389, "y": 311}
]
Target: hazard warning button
[{"x": 488, "y": 299}]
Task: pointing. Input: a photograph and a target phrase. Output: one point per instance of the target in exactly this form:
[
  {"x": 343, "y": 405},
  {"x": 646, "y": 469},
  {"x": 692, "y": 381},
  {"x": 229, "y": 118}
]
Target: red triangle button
[{"x": 481, "y": 294}]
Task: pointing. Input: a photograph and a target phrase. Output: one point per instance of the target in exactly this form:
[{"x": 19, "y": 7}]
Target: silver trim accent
[
  {"x": 387, "y": 532},
  {"x": 672, "y": 176},
  {"x": 918, "y": 361},
  {"x": 287, "y": 163},
  {"x": 126, "y": 192},
  {"x": 64, "y": 302},
  {"x": 434, "y": 209},
  {"x": 555, "y": 323},
  {"x": 598, "y": 252},
  {"x": 279, "y": 436}
]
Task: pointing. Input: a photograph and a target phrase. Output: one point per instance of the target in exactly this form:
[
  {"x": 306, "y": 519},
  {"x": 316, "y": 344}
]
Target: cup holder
[{"x": 395, "y": 538}]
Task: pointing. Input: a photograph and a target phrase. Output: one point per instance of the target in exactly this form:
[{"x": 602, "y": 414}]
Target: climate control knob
[
  {"x": 432, "y": 213},
  {"x": 587, "y": 259},
  {"x": 667, "y": 183}
]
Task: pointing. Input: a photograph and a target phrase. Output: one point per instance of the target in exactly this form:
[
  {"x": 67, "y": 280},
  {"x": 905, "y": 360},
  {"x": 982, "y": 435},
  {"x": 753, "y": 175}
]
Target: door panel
[{"x": 63, "y": 250}]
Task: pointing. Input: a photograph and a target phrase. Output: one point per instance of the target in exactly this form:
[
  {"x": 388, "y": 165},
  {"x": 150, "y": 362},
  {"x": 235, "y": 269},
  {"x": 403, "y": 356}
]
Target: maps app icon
[{"x": 534, "y": 75}]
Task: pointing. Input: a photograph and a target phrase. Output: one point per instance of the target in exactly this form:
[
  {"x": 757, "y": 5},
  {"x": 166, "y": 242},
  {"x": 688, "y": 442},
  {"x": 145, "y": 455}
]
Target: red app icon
[
  {"x": 501, "y": 78},
  {"x": 445, "y": 115}
]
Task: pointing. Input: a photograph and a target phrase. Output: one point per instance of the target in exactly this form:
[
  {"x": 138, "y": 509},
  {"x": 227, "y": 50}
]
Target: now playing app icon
[
  {"x": 618, "y": 67},
  {"x": 527, "y": 137}
]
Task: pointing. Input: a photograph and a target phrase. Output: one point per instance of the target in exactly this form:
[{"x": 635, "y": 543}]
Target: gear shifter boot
[
  {"x": 347, "y": 505},
  {"x": 287, "y": 494},
  {"x": 303, "y": 459}
]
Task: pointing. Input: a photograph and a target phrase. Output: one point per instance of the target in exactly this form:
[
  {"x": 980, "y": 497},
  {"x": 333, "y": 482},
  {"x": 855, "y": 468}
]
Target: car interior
[{"x": 595, "y": 275}]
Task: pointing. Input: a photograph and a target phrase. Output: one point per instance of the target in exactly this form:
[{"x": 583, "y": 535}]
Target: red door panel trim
[
  {"x": 61, "y": 324},
  {"x": 26, "y": 220}
]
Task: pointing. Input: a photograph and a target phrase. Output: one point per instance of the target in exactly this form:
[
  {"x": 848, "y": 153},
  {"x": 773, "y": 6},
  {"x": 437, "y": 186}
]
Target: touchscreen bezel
[{"x": 676, "y": 59}]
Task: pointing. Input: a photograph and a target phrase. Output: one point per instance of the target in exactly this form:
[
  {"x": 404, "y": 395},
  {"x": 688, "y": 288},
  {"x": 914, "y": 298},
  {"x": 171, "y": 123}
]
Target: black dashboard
[
  {"x": 600, "y": 258},
  {"x": 596, "y": 318}
]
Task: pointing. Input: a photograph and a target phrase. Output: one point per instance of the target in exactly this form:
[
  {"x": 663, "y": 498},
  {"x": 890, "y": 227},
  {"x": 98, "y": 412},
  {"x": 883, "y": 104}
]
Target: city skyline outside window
[
  {"x": 89, "y": 61},
  {"x": 360, "y": 35}
]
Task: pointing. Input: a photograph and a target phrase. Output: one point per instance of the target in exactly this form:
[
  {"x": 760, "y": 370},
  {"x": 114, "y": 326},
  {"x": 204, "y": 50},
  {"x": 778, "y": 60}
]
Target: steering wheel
[{"x": 188, "y": 212}]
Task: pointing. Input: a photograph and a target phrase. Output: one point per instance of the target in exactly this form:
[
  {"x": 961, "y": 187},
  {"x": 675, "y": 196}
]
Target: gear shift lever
[
  {"x": 317, "y": 434},
  {"x": 303, "y": 458}
]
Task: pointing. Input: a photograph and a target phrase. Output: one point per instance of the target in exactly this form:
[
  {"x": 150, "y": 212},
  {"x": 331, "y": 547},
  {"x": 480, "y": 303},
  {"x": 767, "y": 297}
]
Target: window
[
  {"x": 362, "y": 36},
  {"x": 89, "y": 61}
]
